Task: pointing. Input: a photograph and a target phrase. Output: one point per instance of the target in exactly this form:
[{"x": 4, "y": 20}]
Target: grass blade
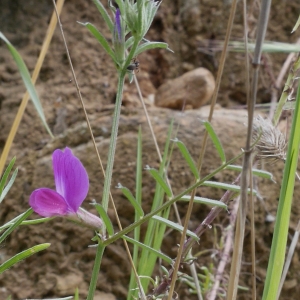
[
  {"x": 158, "y": 178},
  {"x": 126, "y": 192},
  {"x": 255, "y": 172},
  {"x": 188, "y": 158},
  {"x": 227, "y": 186},
  {"x": 215, "y": 140},
  {"x": 9, "y": 185},
  {"x": 205, "y": 201},
  {"x": 27, "y": 81},
  {"x": 147, "y": 248},
  {"x": 16, "y": 224},
  {"x": 22, "y": 255},
  {"x": 279, "y": 241},
  {"x": 175, "y": 226},
  {"x": 6, "y": 174}
]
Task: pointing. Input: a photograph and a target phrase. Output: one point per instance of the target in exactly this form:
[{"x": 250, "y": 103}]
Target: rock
[{"x": 191, "y": 90}]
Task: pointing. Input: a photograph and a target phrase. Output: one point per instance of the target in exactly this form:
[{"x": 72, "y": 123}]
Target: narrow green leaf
[
  {"x": 188, "y": 158},
  {"x": 121, "y": 6},
  {"x": 138, "y": 196},
  {"x": 158, "y": 178},
  {"x": 6, "y": 174},
  {"x": 22, "y": 255},
  {"x": 27, "y": 81},
  {"x": 270, "y": 47},
  {"x": 105, "y": 15},
  {"x": 226, "y": 186},
  {"x": 282, "y": 223},
  {"x": 23, "y": 217},
  {"x": 106, "y": 220},
  {"x": 155, "y": 231},
  {"x": 175, "y": 226},
  {"x": 131, "y": 198},
  {"x": 205, "y": 201},
  {"x": 151, "y": 45},
  {"x": 29, "y": 222},
  {"x": 101, "y": 39},
  {"x": 9, "y": 185},
  {"x": 255, "y": 172},
  {"x": 129, "y": 42},
  {"x": 296, "y": 25},
  {"x": 76, "y": 294},
  {"x": 147, "y": 248},
  {"x": 215, "y": 140}
]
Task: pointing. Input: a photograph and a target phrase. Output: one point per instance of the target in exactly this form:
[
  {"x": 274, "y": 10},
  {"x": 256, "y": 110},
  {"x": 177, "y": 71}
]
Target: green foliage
[
  {"x": 4, "y": 189},
  {"x": 280, "y": 234},
  {"x": 188, "y": 158},
  {"x": 22, "y": 255},
  {"x": 14, "y": 225},
  {"x": 215, "y": 140},
  {"x": 133, "y": 201},
  {"x": 105, "y": 218},
  {"x": 27, "y": 81}
]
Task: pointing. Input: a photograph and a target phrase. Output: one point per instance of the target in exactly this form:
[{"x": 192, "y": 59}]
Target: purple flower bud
[
  {"x": 119, "y": 38},
  {"x": 118, "y": 24}
]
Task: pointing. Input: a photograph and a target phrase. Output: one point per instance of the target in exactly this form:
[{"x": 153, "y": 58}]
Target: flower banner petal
[
  {"x": 71, "y": 178},
  {"x": 48, "y": 203}
]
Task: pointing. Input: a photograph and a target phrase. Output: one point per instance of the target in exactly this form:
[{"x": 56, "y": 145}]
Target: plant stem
[
  {"x": 240, "y": 228},
  {"x": 96, "y": 270},
  {"x": 114, "y": 130},
  {"x": 168, "y": 203},
  {"x": 113, "y": 142}
]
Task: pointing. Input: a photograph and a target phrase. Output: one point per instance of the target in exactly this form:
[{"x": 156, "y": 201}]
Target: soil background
[{"x": 193, "y": 29}]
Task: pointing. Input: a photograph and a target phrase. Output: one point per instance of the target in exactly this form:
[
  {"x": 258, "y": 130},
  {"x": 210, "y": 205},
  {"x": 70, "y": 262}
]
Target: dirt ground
[{"x": 194, "y": 30}]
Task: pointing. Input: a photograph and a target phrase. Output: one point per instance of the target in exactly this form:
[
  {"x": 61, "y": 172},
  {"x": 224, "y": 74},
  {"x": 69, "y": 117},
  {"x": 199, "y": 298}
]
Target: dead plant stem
[
  {"x": 226, "y": 252},
  {"x": 35, "y": 74},
  {"x": 240, "y": 228},
  {"x": 203, "y": 149}
]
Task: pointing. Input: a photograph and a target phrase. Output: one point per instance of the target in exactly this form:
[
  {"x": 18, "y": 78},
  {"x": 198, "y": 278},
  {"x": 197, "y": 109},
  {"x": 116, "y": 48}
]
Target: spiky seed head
[{"x": 270, "y": 141}]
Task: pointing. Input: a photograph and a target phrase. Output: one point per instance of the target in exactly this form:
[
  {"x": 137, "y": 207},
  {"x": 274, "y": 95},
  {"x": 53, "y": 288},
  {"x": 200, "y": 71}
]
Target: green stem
[
  {"x": 114, "y": 131},
  {"x": 167, "y": 204},
  {"x": 96, "y": 270},
  {"x": 113, "y": 142}
]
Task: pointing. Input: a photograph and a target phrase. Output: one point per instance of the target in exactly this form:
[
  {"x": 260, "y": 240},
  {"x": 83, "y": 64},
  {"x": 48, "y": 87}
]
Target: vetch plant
[
  {"x": 72, "y": 185},
  {"x": 132, "y": 20},
  {"x": 128, "y": 27}
]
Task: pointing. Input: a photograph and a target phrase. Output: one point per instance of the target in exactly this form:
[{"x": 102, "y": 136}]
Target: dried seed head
[{"x": 270, "y": 141}]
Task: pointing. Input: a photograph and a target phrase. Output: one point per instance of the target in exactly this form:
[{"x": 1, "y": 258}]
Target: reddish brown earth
[{"x": 189, "y": 27}]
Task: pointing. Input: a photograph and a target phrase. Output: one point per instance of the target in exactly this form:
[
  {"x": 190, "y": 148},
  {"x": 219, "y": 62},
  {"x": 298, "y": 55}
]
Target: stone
[{"x": 189, "y": 91}]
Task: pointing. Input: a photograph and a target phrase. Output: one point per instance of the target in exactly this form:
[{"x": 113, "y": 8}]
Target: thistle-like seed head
[{"x": 270, "y": 141}]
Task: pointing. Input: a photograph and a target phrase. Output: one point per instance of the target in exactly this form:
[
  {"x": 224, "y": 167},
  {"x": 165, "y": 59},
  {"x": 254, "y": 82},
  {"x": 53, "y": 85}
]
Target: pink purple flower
[{"x": 72, "y": 185}]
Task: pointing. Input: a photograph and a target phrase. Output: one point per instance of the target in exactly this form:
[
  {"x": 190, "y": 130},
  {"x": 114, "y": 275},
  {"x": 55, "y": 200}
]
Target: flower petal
[
  {"x": 71, "y": 178},
  {"x": 48, "y": 203}
]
